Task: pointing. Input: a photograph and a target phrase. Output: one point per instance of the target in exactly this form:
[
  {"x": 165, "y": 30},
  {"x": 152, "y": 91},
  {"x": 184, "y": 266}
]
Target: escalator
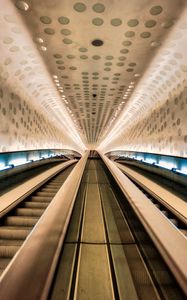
[
  {"x": 17, "y": 224},
  {"x": 107, "y": 253}
]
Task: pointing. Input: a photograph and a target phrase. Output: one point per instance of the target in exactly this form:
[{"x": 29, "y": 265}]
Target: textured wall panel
[{"x": 23, "y": 127}]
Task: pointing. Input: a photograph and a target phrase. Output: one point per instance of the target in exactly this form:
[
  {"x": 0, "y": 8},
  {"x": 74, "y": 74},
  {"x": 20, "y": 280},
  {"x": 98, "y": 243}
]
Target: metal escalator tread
[
  {"x": 30, "y": 212},
  {"x": 20, "y": 221},
  {"x": 45, "y": 194},
  {"x": 8, "y": 251},
  {"x": 33, "y": 204},
  {"x": 46, "y": 199},
  {"x": 11, "y": 242},
  {"x": 49, "y": 188},
  {"x": 17, "y": 225},
  {"x": 13, "y": 232}
]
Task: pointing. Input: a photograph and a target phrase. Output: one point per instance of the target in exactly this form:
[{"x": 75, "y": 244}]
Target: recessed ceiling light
[
  {"x": 43, "y": 48},
  {"x": 39, "y": 40},
  {"x": 155, "y": 44},
  {"x": 22, "y": 5}
]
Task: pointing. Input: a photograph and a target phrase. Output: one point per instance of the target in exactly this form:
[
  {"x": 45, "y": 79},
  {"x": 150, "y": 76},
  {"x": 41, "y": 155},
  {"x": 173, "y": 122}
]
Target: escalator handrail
[{"x": 169, "y": 241}]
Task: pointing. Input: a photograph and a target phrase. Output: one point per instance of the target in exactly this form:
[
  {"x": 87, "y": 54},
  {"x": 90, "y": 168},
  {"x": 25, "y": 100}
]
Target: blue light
[
  {"x": 150, "y": 161},
  {"x": 3, "y": 168},
  {"x": 182, "y": 171},
  {"x": 140, "y": 158},
  {"x": 18, "y": 161},
  {"x": 45, "y": 156},
  {"x": 34, "y": 157},
  {"x": 166, "y": 165}
]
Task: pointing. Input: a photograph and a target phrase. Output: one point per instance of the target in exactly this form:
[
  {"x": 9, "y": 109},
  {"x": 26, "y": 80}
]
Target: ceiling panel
[
  {"x": 96, "y": 52},
  {"x": 91, "y": 68}
]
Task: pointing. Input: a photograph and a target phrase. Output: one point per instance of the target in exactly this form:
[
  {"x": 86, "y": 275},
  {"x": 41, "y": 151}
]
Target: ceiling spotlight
[
  {"x": 39, "y": 40},
  {"x": 22, "y": 5},
  {"x": 155, "y": 44},
  {"x": 137, "y": 75},
  {"x": 55, "y": 76},
  {"x": 43, "y": 48}
]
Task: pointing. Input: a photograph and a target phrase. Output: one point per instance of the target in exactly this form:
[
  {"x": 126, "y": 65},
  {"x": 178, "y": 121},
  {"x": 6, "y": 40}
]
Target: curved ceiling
[{"x": 95, "y": 69}]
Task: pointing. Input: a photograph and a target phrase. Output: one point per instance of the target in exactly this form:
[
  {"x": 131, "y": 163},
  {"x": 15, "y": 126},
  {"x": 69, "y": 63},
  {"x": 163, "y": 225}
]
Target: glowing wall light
[
  {"x": 150, "y": 160},
  {"x": 34, "y": 157},
  {"x": 166, "y": 164},
  {"x": 183, "y": 170},
  {"x": 140, "y": 158},
  {"x": 18, "y": 161}
]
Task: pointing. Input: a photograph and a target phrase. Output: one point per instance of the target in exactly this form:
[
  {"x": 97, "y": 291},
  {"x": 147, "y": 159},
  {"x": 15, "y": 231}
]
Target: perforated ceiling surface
[
  {"x": 95, "y": 56},
  {"x": 95, "y": 78}
]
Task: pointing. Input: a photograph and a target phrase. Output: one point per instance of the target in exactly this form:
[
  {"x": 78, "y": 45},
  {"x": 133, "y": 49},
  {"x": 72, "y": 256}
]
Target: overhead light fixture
[
  {"x": 43, "y": 48},
  {"x": 39, "y": 40},
  {"x": 155, "y": 44},
  {"x": 22, "y": 5}
]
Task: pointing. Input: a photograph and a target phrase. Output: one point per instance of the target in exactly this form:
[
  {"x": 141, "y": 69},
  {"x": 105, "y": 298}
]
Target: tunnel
[{"x": 93, "y": 150}]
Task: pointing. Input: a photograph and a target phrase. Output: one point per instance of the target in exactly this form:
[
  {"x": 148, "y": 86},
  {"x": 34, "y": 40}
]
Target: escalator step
[
  {"x": 8, "y": 251},
  {"x": 12, "y": 242},
  {"x": 54, "y": 185},
  {"x": 20, "y": 221},
  {"x": 41, "y": 199},
  {"x": 32, "y": 204},
  {"x": 12, "y": 233},
  {"x": 50, "y": 190},
  {"x": 45, "y": 194},
  {"x": 29, "y": 212}
]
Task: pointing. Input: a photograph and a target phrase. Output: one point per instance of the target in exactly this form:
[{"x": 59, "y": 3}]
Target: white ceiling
[{"x": 85, "y": 88}]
